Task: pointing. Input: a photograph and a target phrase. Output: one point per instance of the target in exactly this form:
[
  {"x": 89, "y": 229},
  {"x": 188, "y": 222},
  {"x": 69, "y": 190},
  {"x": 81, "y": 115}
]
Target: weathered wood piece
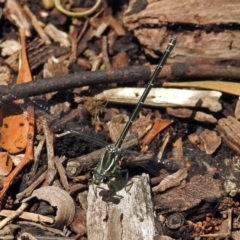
[
  {"x": 206, "y": 43},
  {"x": 228, "y": 128},
  {"x": 132, "y": 218},
  {"x": 198, "y": 12},
  {"x": 162, "y": 97}
]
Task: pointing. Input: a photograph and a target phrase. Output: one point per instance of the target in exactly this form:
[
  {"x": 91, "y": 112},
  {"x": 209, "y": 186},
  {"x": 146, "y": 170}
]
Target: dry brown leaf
[
  {"x": 116, "y": 126},
  {"x": 177, "y": 153},
  {"x": 142, "y": 125},
  {"x": 57, "y": 198},
  {"x": 158, "y": 126},
  {"x": 171, "y": 180},
  {"x": 211, "y": 141}
]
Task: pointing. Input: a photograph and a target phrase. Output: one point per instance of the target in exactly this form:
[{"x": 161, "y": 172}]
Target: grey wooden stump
[{"x": 129, "y": 217}]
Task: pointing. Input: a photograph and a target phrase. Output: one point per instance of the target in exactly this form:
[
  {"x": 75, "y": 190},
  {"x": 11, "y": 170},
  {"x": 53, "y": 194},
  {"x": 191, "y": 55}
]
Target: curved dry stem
[{"x": 77, "y": 14}]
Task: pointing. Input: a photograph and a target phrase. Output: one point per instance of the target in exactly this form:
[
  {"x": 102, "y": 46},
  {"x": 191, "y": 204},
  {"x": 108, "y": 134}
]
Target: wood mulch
[{"x": 71, "y": 73}]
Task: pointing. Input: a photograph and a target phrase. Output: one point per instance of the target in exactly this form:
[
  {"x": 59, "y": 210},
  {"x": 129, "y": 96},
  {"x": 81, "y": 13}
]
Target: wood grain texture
[
  {"x": 209, "y": 36},
  {"x": 131, "y": 218},
  {"x": 198, "y": 12}
]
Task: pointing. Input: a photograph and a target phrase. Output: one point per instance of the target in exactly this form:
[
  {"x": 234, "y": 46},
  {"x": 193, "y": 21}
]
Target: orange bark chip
[{"x": 14, "y": 131}]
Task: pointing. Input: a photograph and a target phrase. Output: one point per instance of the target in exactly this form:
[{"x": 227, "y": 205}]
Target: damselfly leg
[{"x": 114, "y": 182}]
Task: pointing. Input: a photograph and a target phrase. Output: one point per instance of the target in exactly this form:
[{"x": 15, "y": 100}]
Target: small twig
[
  {"x": 73, "y": 55},
  {"x": 105, "y": 53},
  {"x": 74, "y": 40},
  {"x": 83, "y": 30},
  {"x": 77, "y": 187},
  {"x": 163, "y": 146},
  {"x": 16, "y": 213},
  {"x": 45, "y": 228},
  {"x": 62, "y": 172},
  {"x": 97, "y": 62},
  {"x": 37, "y": 153},
  {"x": 32, "y": 178},
  {"x": 36, "y": 25},
  {"x": 28, "y": 216},
  {"x": 18, "y": 91},
  {"x": 49, "y": 144},
  {"x": 50, "y": 152},
  {"x": 80, "y": 178},
  {"x": 27, "y": 192}
]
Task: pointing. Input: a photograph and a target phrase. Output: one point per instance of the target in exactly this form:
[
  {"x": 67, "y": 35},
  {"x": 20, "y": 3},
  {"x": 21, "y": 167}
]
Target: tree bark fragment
[
  {"x": 132, "y": 218},
  {"x": 208, "y": 38}
]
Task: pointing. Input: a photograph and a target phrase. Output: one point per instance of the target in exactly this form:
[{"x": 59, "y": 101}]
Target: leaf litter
[{"x": 186, "y": 196}]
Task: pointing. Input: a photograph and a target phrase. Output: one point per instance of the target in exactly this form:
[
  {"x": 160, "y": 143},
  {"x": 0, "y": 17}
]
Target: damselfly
[{"x": 106, "y": 170}]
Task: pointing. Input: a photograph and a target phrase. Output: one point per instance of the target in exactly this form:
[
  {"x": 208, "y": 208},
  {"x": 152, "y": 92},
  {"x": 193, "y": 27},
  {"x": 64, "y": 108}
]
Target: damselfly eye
[{"x": 105, "y": 179}]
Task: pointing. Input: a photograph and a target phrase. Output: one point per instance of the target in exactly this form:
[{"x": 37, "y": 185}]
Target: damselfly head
[{"x": 98, "y": 178}]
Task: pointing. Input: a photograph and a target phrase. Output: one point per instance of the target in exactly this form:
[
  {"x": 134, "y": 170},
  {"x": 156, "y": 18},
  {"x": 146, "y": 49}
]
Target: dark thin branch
[
  {"x": 85, "y": 78},
  {"x": 207, "y": 72},
  {"x": 119, "y": 75}
]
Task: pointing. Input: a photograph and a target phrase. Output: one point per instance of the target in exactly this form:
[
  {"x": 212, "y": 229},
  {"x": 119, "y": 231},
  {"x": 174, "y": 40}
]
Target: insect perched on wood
[{"x": 106, "y": 170}]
